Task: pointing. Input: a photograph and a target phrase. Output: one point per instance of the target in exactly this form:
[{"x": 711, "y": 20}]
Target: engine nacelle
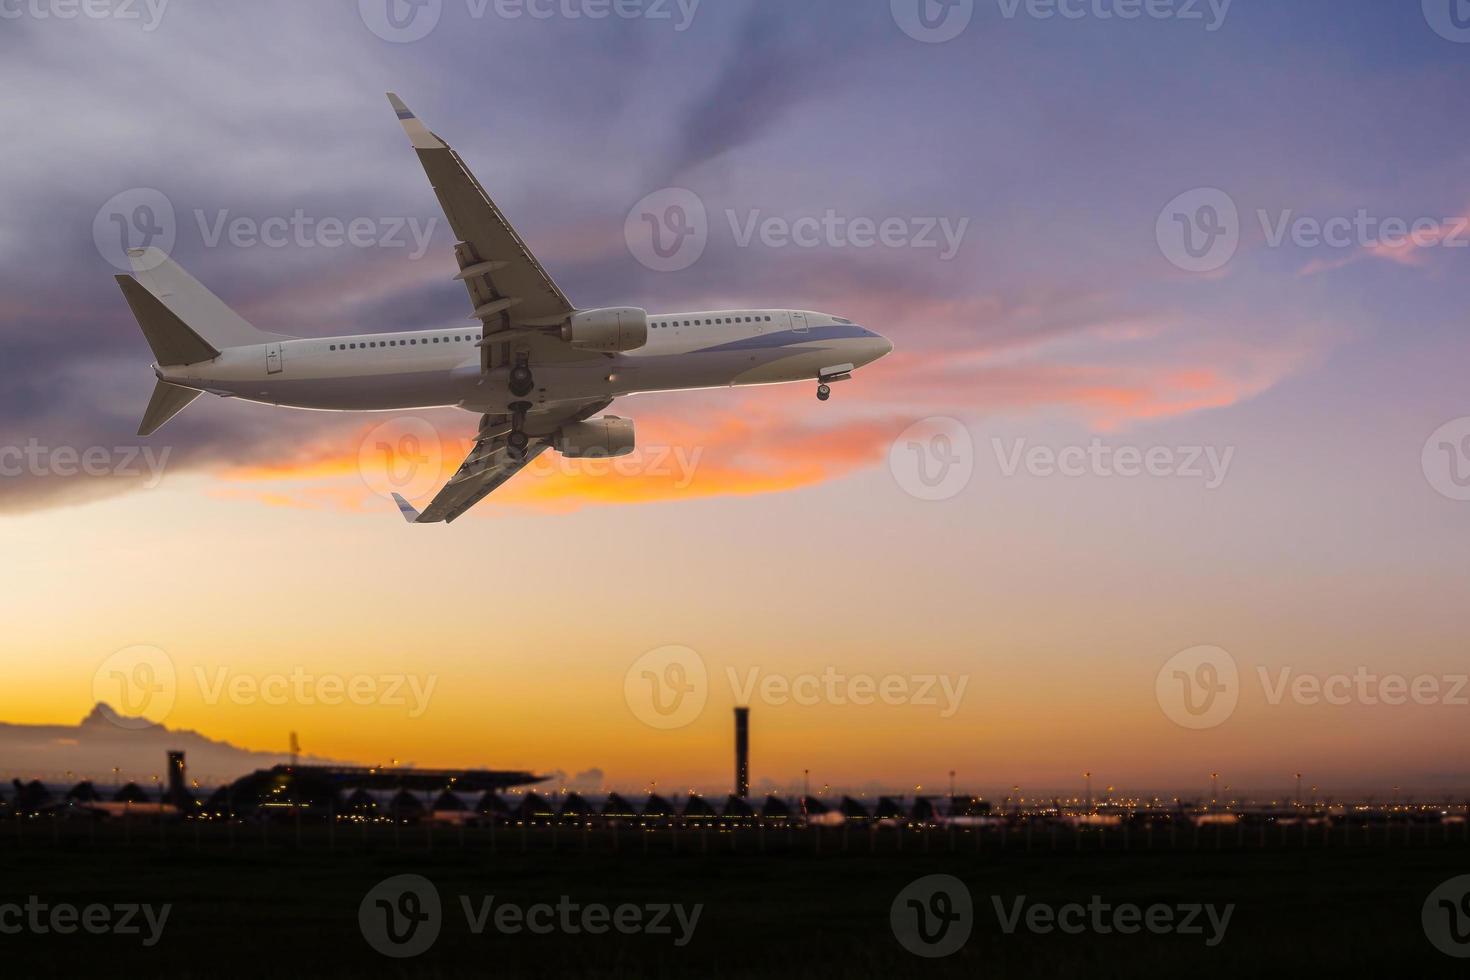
[
  {"x": 619, "y": 329},
  {"x": 601, "y": 438}
]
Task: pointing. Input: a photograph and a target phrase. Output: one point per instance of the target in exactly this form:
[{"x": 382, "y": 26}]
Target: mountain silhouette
[{"x": 136, "y": 748}]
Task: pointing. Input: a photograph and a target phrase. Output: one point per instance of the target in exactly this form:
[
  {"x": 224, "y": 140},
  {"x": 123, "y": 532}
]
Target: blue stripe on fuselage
[{"x": 786, "y": 338}]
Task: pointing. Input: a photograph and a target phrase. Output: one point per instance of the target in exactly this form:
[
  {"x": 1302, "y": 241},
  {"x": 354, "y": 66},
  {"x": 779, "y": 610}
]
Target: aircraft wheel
[
  {"x": 824, "y": 392},
  {"x": 517, "y": 443},
  {"x": 521, "y": 381}
]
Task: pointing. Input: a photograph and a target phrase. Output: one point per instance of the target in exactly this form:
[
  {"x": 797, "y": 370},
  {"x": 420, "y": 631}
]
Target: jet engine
[
  {"x": 601, "y": 438},
  {"x": 618, "y": 329}
]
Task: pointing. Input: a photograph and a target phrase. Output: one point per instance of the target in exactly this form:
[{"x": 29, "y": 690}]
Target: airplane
[{"x": 538, "y": 370}]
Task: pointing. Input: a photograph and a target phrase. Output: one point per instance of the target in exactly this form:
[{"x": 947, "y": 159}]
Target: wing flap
[{"x": 489, "y": 465}]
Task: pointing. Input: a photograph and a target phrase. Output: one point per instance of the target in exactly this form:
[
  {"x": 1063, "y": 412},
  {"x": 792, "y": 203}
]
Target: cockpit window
[{"x": 839, "y": 319}]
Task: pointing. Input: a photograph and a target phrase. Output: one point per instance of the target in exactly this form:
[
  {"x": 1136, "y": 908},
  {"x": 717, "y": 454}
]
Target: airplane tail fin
[
  {"x": 167, "y": 401},
  {"x": 183, "y": 322}
]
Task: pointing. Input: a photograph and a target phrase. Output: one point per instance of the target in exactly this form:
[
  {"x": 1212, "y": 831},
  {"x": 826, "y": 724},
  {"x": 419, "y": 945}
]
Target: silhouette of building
[
  {"x": 178, "y": 791},
  {"x": 742, "y": 752}
]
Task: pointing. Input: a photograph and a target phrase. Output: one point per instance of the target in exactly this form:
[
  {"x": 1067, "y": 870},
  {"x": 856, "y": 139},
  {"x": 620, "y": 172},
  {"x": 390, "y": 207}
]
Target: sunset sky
[{"x": 760, "y": 529}]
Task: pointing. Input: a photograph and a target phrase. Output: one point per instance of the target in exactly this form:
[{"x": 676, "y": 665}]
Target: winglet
[
  {"x": 418, "y": 133},
  {"x": 410, "y": 513}
]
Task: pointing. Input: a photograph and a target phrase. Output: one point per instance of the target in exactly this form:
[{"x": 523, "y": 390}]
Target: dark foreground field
[{"x": 278, "y": 905}]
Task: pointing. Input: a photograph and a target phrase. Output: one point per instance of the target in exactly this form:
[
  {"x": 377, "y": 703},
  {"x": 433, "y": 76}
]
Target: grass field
[{"x": 257, "y": 904}]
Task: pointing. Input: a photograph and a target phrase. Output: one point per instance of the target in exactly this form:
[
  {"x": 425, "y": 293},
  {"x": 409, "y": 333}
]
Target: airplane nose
[{"x": 883, "y": 345}]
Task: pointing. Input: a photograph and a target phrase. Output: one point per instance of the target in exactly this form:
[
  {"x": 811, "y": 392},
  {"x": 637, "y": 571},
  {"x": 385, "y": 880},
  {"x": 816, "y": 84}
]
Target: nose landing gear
[{"x": 828, "y": 376}]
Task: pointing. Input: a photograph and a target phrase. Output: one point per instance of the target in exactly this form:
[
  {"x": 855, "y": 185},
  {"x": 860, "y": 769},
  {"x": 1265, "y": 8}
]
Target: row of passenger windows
[
  {"x": 710, "y": 323},
  {"x": 455, "y": 339},
  {"x": 459, "y": 339}
]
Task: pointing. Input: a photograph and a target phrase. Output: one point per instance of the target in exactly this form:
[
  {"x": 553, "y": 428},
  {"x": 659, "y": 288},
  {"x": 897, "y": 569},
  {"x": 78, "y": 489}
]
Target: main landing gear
[
  {"x": 522, "y": 383},
  {"x": 517, "y": 442},
  {"x": 824, "y": 392}
]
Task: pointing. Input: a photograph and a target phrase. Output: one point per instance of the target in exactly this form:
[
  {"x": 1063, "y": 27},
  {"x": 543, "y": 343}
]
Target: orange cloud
[
  {"x": 764, "y": 441},
  {"x": 1410, "y": 250},
  {"x": 730, "y": 452}
]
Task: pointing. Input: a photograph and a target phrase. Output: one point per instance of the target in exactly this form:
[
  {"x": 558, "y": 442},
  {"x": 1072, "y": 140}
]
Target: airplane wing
[
  {"x": 490, "y": 465},
  {"x": 507, "y": 285}
]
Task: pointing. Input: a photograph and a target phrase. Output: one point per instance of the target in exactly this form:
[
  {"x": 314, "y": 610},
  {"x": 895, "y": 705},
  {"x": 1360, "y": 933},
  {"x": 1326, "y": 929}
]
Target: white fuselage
[{"x": 436, "y": 368}]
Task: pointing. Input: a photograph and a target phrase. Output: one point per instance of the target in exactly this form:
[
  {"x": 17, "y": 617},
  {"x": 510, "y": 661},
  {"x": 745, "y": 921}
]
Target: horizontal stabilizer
[{"x": 167, "y": 401}]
